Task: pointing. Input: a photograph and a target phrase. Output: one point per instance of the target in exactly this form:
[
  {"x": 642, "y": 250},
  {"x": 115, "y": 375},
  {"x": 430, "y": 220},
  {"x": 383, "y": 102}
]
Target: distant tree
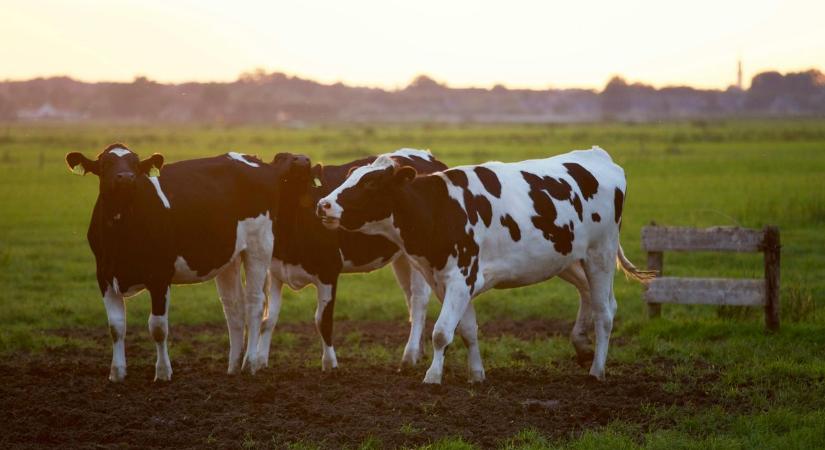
[
  {"x": 615, "y": 97},
  {"x": 424, "y": 82}
]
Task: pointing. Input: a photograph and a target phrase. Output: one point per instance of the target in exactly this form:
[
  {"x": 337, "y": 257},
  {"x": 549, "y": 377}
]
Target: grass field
[{"x": 766, "y": 391}]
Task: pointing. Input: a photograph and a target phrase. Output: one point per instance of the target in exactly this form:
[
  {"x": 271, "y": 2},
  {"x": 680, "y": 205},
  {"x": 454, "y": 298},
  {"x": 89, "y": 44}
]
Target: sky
[{"x": 386, "y": 43}]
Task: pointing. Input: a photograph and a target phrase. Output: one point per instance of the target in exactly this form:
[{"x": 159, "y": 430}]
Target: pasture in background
[{"x": 737, "y": 173}]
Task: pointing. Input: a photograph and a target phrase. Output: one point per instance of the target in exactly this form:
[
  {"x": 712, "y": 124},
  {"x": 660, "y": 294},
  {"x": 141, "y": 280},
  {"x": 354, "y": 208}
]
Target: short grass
[{"x": 748, "y": 173}]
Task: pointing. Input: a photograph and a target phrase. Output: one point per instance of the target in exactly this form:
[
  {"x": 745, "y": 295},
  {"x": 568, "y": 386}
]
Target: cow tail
[
  {"x": 267, "y": 286},
  {"x": 630, "y": 271}
]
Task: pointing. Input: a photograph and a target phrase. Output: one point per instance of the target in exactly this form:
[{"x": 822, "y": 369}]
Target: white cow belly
[{"x": 292, "y": 275}]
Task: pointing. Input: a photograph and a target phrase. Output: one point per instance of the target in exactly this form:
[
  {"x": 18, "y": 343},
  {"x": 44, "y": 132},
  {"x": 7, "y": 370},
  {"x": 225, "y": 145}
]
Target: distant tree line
[{"x": 274, "y": 98}]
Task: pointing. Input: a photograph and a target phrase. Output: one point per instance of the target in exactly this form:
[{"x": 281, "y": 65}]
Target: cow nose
[
  {"x": 302, "y": 160},
  {"x": 125, "y": 177},
  {"x": 322, "y": 208}
]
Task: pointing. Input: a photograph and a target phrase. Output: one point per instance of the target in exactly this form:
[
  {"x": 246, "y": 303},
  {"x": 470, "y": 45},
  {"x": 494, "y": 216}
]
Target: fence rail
[{"x": 762, "y": 292}]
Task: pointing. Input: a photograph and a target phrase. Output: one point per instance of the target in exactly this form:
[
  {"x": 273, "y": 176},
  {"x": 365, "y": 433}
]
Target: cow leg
[
  {"x": 323, "y": 322},
  {"x": 468, "y": 328},
  {"x": 455, "y": 303},
  {"x": 230, "y": 290},
  {"x": 600, "y": 268},
  {"x": 417, "y": 294},
  {"x": 576, "y": 276},
  {"x": 256, "y": 267},
  {"x": 268, "y": 324},
  {"x": 159, "y": 330},
  {"x": 116, "y": 313}
]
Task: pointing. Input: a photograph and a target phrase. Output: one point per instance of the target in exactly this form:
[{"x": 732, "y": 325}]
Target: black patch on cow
[
  {"x": 512, "y": 226},
  {"x": 421, "y": 165},
  {"x": 489, "y": 179},
  {"x": 327, "y": 318},
  {"x": 433, "y": 225},
  {"x": 618, "y": 202},
  {"x": 458, "y": 178},
  {"x": 596, "y": 217},
  {"x": 541, "y": 190},
  {"x": 477, "y": 206},
  {"x": 333, "y": 176},
  {"x": 586, "y": 181},
  {"x": 577, "y": 205}
]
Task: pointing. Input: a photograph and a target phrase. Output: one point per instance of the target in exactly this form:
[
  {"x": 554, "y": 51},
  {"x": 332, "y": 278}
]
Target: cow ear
[
  {"x": 317, "y": 174},
  {"x": 81, "y": 165},
  {"x": 151, "y": 165},
  {"x": 404, "y": 174}
]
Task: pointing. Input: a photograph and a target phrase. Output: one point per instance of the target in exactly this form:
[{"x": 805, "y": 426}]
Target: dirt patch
[{"x": 61, "y": 398}]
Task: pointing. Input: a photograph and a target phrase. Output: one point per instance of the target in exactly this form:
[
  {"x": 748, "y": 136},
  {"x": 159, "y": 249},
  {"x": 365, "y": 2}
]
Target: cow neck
[
  {"x": 414, "y": 210},
  {"x": 291, "y": 214},
  {"x": 116, "y": 227}
]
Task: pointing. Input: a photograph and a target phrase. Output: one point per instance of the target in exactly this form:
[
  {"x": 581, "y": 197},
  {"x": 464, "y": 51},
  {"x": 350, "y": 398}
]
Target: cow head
[
  {"x": 118, "y": 168},
  {"x": 365, "y": 196},
  {"x": 295, "y": 168}
]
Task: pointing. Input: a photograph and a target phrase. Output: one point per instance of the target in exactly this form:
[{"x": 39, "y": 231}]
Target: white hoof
[
  {"x": 597, "y": 374},
  {"x": 432, "y": 377},
  {"x": 250, "y": 366},
  {"x": 163, "y": 373},
  {"x": 117, "y": 374},
  {"x": 411, "y": 357},
  {"x": 477, "y": 376}
]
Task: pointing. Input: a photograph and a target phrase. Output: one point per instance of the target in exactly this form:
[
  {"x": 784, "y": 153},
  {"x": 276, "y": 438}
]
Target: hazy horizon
[{"x": 372, "y": 43}]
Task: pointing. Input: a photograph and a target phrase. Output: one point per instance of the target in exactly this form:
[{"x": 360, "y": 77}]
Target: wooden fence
[{"x": 713, "y": 291}]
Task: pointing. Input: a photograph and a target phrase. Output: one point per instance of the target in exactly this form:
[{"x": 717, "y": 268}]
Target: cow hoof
[
  {"x": 163, "y": 374},
  {"x": 410, "y": 358},
  {"x": 585, "y": 359},
  {"x": 599, "y": 376},
  {"x": 432, "y": 377},
  {"x": 117, "y": 374},
  {"x": 477, "y": 376},
  {"x": 250, "y": 366}
]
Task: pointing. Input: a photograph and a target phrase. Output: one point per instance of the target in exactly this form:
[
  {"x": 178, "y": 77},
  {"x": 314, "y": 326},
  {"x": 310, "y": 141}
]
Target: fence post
[
  {"x": 655, "y": 261},
  {"x": 771, "y": 247}
]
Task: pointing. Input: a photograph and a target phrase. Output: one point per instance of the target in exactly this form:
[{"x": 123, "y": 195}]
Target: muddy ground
[{"x": 61, "y": 397}]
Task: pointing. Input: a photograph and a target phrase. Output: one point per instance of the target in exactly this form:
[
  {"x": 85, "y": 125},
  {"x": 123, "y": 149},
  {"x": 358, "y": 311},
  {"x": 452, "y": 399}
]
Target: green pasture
[{"x": 748, "y": 173}]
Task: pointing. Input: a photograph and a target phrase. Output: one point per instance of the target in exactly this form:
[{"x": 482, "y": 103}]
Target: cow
[
  {"x": 199, "y": 219},
  {"x": 498, "y": 225},
  {"x": 306, "y": 252}
]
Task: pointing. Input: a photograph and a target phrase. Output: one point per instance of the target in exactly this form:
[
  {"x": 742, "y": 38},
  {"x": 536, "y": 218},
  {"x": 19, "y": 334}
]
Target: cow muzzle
[{"x": 325, "y": 211}]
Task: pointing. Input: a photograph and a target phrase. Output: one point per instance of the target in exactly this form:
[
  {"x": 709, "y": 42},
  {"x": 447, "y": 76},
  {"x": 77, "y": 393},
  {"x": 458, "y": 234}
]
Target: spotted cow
[
  {"x": 307, "y": 253},
  {"x": 199, "y": 219},
  {"x": 495, "y": 225}
]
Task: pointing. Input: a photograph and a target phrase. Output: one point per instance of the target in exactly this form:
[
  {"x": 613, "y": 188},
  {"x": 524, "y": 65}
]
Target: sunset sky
[{"x": 386, "y": 43}]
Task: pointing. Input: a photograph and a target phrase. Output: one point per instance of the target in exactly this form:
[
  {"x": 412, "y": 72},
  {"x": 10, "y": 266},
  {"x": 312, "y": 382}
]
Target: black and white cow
[
  {"x": 306, "y": 252},
  {"x": 474, "y": 228},
  {"x": 199, "y": 219}
]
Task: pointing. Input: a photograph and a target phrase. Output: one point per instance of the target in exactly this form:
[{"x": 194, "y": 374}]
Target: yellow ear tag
[
  {"x": 316, "y": 182},
  {"x": 79, "y": 170},
  {"x": 154, "y": 172}
]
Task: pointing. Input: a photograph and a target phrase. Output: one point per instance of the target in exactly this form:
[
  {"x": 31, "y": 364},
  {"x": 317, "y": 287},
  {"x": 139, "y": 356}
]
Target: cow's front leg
[
  {"x": 417, "y": 294},
  {"x": 455, "y": 303},
  {"x": 116, "y": 313},
  {"x": 268, "y": 325},
  {"x": 159, "y": 330},
  {"x": 323, "y": 322}
]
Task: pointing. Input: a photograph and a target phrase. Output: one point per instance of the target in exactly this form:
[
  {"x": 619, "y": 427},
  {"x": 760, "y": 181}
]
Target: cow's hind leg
[
  {"x": 455, "y": 303},
  {"x": 600, "y": 268},
  {"x": 269, "y": 322},
  {"x": 256, "y": 265},
  {"x": 116, "y": 313},
  {"x": 230, "y": 290},
  {"x": 324, "y": 313},
  {"x": 576, "y": 276},
  {"x": 468, "y": 329},
  {"x": 417, "y": 294},
  {"x": 159, "y": 330}
]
